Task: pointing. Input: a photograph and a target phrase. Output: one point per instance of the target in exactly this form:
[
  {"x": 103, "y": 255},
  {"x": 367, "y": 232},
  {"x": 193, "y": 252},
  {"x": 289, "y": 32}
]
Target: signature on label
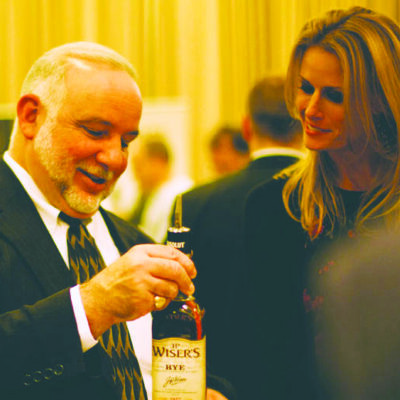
[{"x": 174, "y": 380}]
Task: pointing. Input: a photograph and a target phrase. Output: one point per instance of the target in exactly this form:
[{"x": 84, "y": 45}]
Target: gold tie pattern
[{"x": 85, "y": 261}]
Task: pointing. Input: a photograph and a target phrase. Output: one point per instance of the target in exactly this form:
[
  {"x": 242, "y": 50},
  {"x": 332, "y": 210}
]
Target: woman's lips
[{"x": 314, "y": 130}]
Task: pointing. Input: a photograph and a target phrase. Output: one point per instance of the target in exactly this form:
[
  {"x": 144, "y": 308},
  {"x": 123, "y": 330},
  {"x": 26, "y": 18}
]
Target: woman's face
[{"x": 319, "y": 101}]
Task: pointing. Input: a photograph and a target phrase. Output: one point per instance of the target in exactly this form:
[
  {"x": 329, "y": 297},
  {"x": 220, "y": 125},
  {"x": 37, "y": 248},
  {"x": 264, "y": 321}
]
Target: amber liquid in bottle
[{"x": 179, "y": 343}]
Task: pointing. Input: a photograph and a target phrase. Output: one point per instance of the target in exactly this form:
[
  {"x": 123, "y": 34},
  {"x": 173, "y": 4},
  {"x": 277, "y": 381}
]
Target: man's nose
[{"x": 112, "y": 155}]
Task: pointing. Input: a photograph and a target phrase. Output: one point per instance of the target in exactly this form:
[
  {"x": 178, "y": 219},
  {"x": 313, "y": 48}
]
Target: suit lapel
[
  {"x": 22, "y": 226},
  {"x": 123, "y": 233}
]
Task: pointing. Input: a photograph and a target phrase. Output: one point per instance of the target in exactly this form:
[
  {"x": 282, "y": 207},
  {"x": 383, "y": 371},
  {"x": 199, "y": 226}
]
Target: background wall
[{"x": 205, "y": 53}]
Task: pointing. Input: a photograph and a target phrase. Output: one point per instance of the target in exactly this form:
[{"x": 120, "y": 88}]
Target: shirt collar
[
  {"x": 48, "y": 213},
  {"x": 277, "y": 151}
]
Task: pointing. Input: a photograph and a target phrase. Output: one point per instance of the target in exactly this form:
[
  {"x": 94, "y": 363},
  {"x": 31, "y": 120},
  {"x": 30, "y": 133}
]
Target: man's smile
[{"x": 95, "y": 178}]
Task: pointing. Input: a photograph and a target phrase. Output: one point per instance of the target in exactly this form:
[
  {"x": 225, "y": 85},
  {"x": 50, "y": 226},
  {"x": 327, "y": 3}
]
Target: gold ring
[{"x": 159, "y": 302}]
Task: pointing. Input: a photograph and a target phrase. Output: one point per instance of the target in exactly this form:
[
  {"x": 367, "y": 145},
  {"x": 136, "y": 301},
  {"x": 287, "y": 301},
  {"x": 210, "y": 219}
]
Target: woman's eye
[
  {"x": 307, "y": 88},
  {"x": 335, "y": 96}
]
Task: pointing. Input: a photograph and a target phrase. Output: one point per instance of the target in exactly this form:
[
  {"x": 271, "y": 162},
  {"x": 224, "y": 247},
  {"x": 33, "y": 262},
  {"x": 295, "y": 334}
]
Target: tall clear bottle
[{"x": 179, "y": 342}]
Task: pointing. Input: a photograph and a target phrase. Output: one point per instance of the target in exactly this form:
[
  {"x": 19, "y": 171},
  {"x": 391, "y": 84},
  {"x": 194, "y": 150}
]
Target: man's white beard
[{"x": 61, "y": 170}]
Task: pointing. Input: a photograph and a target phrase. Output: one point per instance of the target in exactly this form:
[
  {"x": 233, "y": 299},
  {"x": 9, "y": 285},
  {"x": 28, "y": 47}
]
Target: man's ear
[
  {"x": 28, "y": 108},
  {"x": 246, "y": 129}
]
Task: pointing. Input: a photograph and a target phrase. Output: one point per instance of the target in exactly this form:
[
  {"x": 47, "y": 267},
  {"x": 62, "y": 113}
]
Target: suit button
[
  {"x": 48, "y": 373},
  {"x": 37, "y": 376},
  {"x": 28, "y": 380},
  {"x": 58, "y": 370}
]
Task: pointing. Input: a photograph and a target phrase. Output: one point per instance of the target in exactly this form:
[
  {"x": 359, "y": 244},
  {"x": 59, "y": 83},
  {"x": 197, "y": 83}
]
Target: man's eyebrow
[
  {"x": 105, "y": 123},
  {"x": 95, "y": 120}
]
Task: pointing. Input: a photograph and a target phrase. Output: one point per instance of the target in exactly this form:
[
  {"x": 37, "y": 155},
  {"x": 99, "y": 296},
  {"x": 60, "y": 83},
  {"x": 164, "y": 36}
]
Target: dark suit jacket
[
  {"x": 276, "y": 255},
  {"x": 40, "y": 350},
  {"x": 215, "y": 214}
]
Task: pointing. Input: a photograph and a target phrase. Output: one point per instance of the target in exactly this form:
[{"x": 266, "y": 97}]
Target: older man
[{"x": 62, "y": 323}]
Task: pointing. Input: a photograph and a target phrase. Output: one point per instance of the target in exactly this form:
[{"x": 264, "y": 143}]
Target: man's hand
[
  {"x": 125, "y": 290},
  {"x": 214, "y": 395}
]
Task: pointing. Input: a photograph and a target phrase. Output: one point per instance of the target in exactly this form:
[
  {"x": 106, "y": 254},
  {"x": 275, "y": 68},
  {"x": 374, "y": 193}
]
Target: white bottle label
[{"x": 179, "y": 369}]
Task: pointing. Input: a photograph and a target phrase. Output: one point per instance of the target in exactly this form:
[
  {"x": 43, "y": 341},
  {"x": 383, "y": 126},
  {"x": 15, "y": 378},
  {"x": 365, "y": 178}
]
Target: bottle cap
[{"x": 178, "y": 236}]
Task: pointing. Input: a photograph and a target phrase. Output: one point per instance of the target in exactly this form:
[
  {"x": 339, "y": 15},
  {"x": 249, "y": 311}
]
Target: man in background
[
  {"x": 229, "y": 151},
  {"x": 214, "y": 213},
  {"x": 151, "y": 163}
]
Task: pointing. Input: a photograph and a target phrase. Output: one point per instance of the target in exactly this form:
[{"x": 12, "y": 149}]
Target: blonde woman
[{"x": 343, "y": 84}]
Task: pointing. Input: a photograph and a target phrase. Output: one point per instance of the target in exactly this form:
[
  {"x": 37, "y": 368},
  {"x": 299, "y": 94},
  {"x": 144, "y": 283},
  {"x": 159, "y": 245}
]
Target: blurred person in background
[
  {"x": 343, "y": 84},
  {"x": 151, "y": 163},
  {"x": 214, "y": 213},
  {"x": 229, "y": 151},
  {"x": 361, "y": 324}
]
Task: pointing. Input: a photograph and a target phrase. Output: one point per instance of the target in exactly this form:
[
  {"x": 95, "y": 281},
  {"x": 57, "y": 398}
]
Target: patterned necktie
[{"x": 85, "y": 261}]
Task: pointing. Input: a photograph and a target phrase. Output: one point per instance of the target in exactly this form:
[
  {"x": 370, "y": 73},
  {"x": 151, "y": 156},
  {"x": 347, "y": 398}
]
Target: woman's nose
[{"x": 313, "y": 109}]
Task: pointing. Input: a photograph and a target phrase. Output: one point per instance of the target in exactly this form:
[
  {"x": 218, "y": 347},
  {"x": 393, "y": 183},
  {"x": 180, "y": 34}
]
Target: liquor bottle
[{"x": 179, "y": 343}]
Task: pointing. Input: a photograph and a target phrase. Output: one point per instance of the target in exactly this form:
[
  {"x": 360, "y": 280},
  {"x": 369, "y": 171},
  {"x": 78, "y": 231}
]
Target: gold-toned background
[{"x": 206, "y": 52}]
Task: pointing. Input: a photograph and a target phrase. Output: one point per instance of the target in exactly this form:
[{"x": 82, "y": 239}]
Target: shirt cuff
[{"x": 87, "y": 339}]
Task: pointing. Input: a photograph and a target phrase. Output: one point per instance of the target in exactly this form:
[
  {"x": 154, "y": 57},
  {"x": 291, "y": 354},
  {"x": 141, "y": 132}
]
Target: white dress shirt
[
  {"x": 141, "y": 327},
  {"x": 58, "y": 231}
]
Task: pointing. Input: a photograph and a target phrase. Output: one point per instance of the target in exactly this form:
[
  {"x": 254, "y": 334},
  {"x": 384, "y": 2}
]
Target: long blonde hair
[{"x": 367, "y": 45}]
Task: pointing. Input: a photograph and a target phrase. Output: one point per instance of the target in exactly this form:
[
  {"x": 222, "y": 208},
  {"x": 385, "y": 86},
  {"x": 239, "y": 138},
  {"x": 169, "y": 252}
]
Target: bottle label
[{"x": 179, "y": 369}]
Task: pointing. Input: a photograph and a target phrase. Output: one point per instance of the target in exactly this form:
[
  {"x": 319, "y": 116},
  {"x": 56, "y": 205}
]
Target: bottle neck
[{"x": 183, "y": 297}]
